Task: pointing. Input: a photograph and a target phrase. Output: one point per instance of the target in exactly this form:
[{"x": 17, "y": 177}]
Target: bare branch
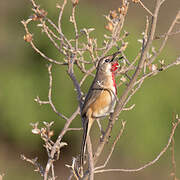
[
  {"x": 50, "y": 94},
  {"x": 74, "y": 129},
  {"x": 173, "y": 162},
  {"x": 74, "y": 80},
  {"x": 113, "y": 146},
  {"x": 129, "y": 108},
  {"x": 165, "y": 38},
  {"x": 73, "y": 20},
  {"x": 52, "y": 172},
  {"x": 145, "y": 8},
  {"x": 60, "y": 14},
  {"x": 34, "y": 162},
  {"x": 151, "y": 162},
  {"x": 46, "y": 30},
  {"x": 25, "y": 23},
  {"x": 58, "y": 140},
  {"x": 173, "y": 174},
  {"x": 117, "y": 27},
  {"x": 170, "y": 34},
  {"x": 155, "y": 72}
]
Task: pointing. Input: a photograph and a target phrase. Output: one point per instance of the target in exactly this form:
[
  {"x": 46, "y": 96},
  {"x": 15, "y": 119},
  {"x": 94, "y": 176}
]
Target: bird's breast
[{"x": 105, "y": 103}]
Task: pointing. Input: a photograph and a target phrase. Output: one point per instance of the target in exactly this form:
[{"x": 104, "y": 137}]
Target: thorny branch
[{"x": 74, "y": 54}]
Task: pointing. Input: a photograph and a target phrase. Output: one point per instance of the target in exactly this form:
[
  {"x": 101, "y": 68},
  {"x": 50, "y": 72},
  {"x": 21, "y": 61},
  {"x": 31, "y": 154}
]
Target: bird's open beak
[
  {"x": 114, "y": 56},
  {"x": 120, "y": 57}
]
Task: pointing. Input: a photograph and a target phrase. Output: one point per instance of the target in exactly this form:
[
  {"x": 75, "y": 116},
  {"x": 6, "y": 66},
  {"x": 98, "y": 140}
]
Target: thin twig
[
  {"x": 50, "y": 94},
  {"x": 25, "y": 23},
  {"x": 173, "y": 162},
  {"x": 34, "y": 162},
  {"x": 145, "y": 8},
  {"x": 173, "y": 174},
  {"x": 165, "y": 39},
  {"x": 53, "y": 34},
  {"x": 151, "y": 162},
  {"x": 60, "y": 33},
  {"x": 46, "y": 57},
  {"x": 155, "y": 72},
  {"x": 170, "y": 34},
  {"x": 75, "y": 26},
  {"x": 129, "y": 108},
  {"x": 74, "y": 80},
  {"x": 113, "y": 146},
  {"x": 52, "y": 171},
  {"x": 58, "y": 140},
  {"x": 51, "y": 39},
  {"x": 74, "y": 129},
  {"x": 60, "y": 14},
  {"x": 116, "y": 31}
]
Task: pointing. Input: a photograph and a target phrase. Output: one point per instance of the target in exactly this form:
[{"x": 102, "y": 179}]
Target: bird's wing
[{"x": 93, "y": 93}]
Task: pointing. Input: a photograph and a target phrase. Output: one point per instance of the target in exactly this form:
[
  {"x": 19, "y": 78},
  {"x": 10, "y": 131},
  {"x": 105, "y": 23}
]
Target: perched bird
[{"x": 101, "y": 98}]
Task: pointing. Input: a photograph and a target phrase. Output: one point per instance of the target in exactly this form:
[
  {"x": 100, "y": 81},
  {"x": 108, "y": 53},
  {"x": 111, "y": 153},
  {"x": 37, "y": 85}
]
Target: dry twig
[{"x": 151, "y": 162}]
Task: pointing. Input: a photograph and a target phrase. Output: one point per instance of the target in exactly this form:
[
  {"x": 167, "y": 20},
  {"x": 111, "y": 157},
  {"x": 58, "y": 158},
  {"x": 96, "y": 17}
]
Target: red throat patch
[
  {"x": 114, "y": 82},
  {"x": 113, "y": 69},
  {"x": 114, "y": 66}
]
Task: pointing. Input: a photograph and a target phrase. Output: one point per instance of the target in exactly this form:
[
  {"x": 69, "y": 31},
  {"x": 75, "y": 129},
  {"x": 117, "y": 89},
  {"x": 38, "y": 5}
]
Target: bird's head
[{"x": 109, "y": 64}]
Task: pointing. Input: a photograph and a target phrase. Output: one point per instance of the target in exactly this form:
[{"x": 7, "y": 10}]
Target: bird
[{"x": 101, "y": 97}]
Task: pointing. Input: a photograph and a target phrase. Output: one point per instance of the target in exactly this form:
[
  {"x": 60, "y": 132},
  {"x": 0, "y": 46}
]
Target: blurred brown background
[{"x": 23, "y": 76}]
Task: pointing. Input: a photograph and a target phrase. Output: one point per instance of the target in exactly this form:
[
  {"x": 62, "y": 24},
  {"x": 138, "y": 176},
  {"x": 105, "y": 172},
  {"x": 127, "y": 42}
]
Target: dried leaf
[
  {"x": 62, "y": 144},
  {"x": 109, "y": 26},
  {"x": 75, "y": 2},
  {"x": 28, "y": 37},
  {"x": 135, "y": 1},
  {"x": 113, "y": 14},
  {"x": 36, "y": 131}
]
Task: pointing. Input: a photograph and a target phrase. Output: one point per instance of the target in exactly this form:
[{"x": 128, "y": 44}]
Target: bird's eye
[{"x": 107, "y": 60}]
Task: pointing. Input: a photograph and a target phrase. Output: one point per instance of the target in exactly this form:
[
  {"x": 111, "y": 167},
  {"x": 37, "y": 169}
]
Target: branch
[
  {"x": 151, "y": 162},
  {"x": 50, "y": 94},
  {"x": 29, "y": 38},
  {"x": 73, "y": 20},
  {"x": 75, "y": 82},
  {"x": 117, "y": 25},
  {"x": 113, "y": 146},
  {"x": 46, "y": 30},
  {"x": 58, "y": 140},
  {"x": 60, "y": 14},
  {"x": 173, "y": 162},
  {"x": 155, "y": 72},
  {"x": 140, "y": 2},
  {"x": 34, "y": 162},
  {"x": 145, "y": 8},
  {"x": 166, "y": 36}
]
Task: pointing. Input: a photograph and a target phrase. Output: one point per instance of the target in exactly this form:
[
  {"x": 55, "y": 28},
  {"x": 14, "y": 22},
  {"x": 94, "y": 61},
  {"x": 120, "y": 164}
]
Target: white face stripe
[{"x": 108, "y": 69}]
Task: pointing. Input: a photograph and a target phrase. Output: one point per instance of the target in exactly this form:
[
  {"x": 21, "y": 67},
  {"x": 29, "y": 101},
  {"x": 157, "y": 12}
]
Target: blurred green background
[{"x": 23, "y": 76}]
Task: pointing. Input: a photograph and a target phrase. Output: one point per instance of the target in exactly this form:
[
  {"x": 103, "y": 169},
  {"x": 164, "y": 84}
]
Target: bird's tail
[{"x": 83, "y": 145}]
